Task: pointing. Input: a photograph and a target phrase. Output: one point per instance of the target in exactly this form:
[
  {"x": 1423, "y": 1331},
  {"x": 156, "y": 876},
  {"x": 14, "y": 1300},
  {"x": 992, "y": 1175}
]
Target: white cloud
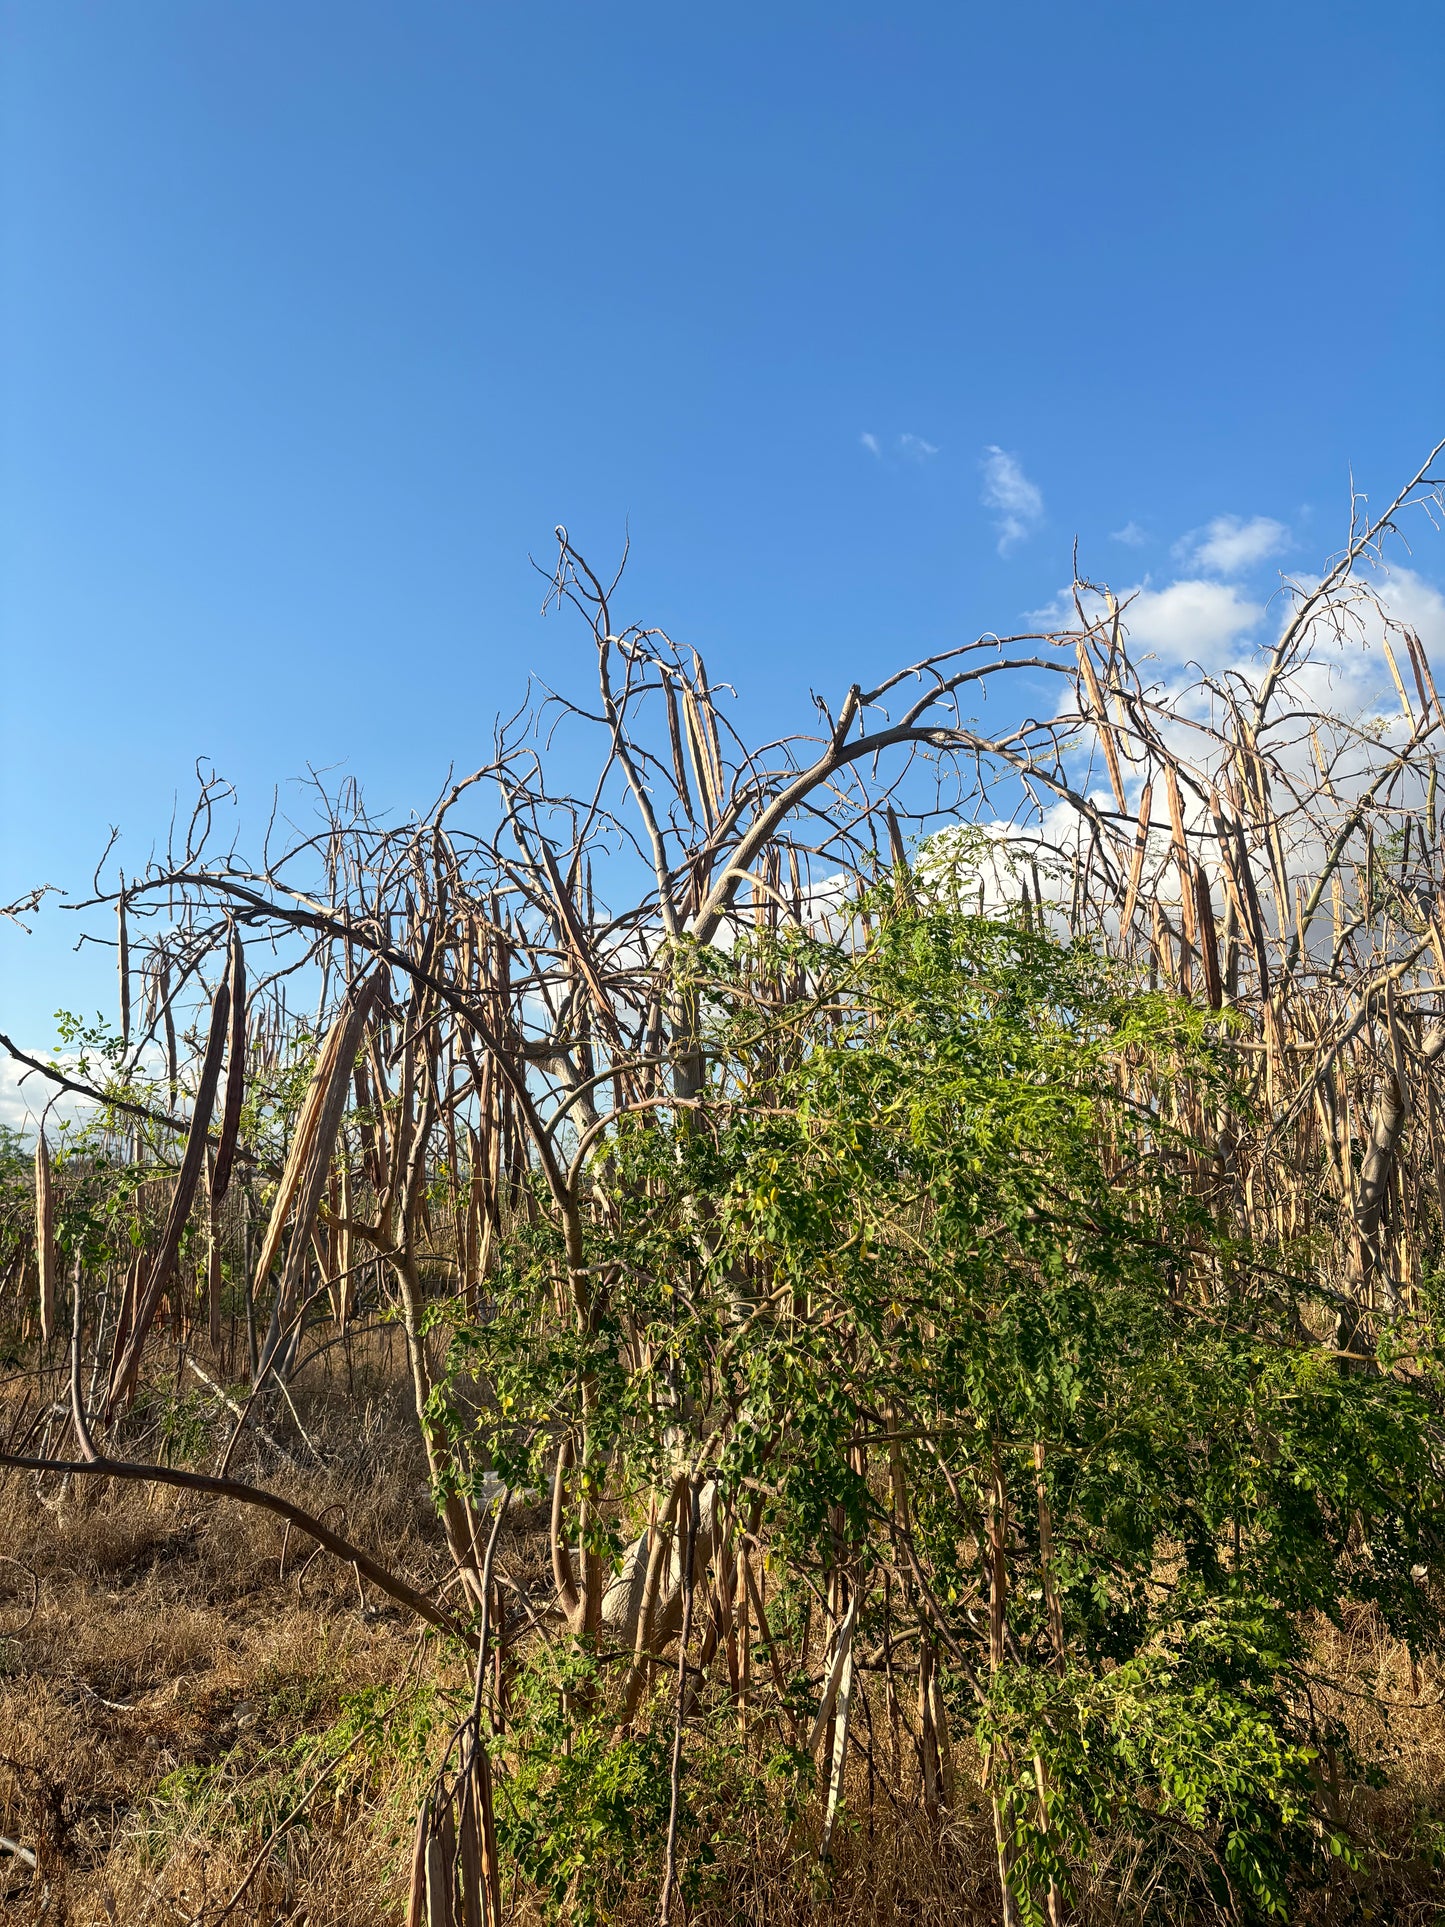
[
  {"x": 1343, "y": 671},
  {"x": 1018, "y": 501},
  {"x": 1417, "y": 603},
  {"x": 1229, "y": 544},
  {"x": 1216, "y": 627},
  {"x": 1335, "y": 690},
  {"x": 1191, "y": 621},
  {"x": 22, "y": 1103},
  {"x": 914, "y": 449},
  {"x": 1131, "y": 535},
  {"x": 870, "y": 442}
]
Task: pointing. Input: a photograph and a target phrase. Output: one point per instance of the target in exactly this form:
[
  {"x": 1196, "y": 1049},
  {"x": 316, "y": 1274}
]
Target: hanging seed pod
[
  {"x": 1181, "y": 857},
  {"x": 697, "y": 745},
  {"x": 309, "y": 1164},
  {"x": 1399, "y": 683},
  {"x": 45, "y": 1236},
  {"x": 416, "y": 1907},
  {"x": 123, "y": 967},
  {"x": 214, "y": 1276},
  {"x": 1208, "y": 938},
  {"x": 1136, "y": 867},
  {"x": 168, "y": 1015},
  {"x": 1099, "y": 716},
  {"x": 674, "y": 735},
  {"x": 127, "y": 1363},
  {"x": 235, "y": 1073}
]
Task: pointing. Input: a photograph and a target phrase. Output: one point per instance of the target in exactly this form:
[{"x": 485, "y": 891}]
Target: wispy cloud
[
  {"x": 1230, "y": 544},
  {"x": 900, "y": 448},
  {"x": 1018, "y": 502},
  {"x": 1131, "y": 535}
]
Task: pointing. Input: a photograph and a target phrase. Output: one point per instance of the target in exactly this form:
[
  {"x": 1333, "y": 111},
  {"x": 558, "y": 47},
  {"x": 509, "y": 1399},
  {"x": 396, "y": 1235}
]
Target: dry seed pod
[
  {"x": 192, "y": 1162},
  {"x": 235, "y": 1073},
  {"x": 1208, "y": 939},
  {"x": 1099, "y": 716},
  {"x": 123, "y": 967},
  {"x": 698, "y": 753},
  {"x": 309, "y": 1165},
  {"x": 674, "y": 732},
  {"x": 1136, "y": 867},
  {"x": 45, "y": 1236}
]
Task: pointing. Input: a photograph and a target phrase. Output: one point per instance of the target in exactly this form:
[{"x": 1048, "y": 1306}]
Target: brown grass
[{"x": 152, "y": 1704}]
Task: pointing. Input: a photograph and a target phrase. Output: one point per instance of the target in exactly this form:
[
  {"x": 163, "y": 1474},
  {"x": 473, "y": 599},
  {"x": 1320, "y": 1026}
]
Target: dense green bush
[{"x": 932, "y": 1286}]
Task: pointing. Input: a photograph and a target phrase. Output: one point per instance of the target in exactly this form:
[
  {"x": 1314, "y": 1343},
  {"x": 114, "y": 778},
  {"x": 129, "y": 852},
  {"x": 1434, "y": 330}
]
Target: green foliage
[
  {"x": 581, "y": 1810},
  {"x": 1191, "y": 1736}
]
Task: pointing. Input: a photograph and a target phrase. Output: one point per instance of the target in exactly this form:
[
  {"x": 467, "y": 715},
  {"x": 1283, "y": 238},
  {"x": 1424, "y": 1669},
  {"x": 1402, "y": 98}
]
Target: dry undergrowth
[
  {"x": 176, "y": 1678},
  {"x": 175, "y": 1688}
]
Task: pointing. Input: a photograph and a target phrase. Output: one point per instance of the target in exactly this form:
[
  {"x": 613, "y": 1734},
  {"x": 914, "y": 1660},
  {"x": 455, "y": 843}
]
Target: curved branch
[{"x": 295, "y": 1515}]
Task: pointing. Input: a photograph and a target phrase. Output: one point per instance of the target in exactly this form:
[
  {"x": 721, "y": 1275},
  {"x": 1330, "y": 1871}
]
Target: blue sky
[{"x": 316, "y": 315}]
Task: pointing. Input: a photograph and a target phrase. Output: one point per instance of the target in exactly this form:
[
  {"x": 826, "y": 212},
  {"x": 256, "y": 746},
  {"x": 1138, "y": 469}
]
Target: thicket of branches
[{"x": 943, "y": 1228}]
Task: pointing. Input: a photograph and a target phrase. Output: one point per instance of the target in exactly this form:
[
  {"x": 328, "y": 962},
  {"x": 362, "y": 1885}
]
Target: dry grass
[{"x": 155, "y": 1707}]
